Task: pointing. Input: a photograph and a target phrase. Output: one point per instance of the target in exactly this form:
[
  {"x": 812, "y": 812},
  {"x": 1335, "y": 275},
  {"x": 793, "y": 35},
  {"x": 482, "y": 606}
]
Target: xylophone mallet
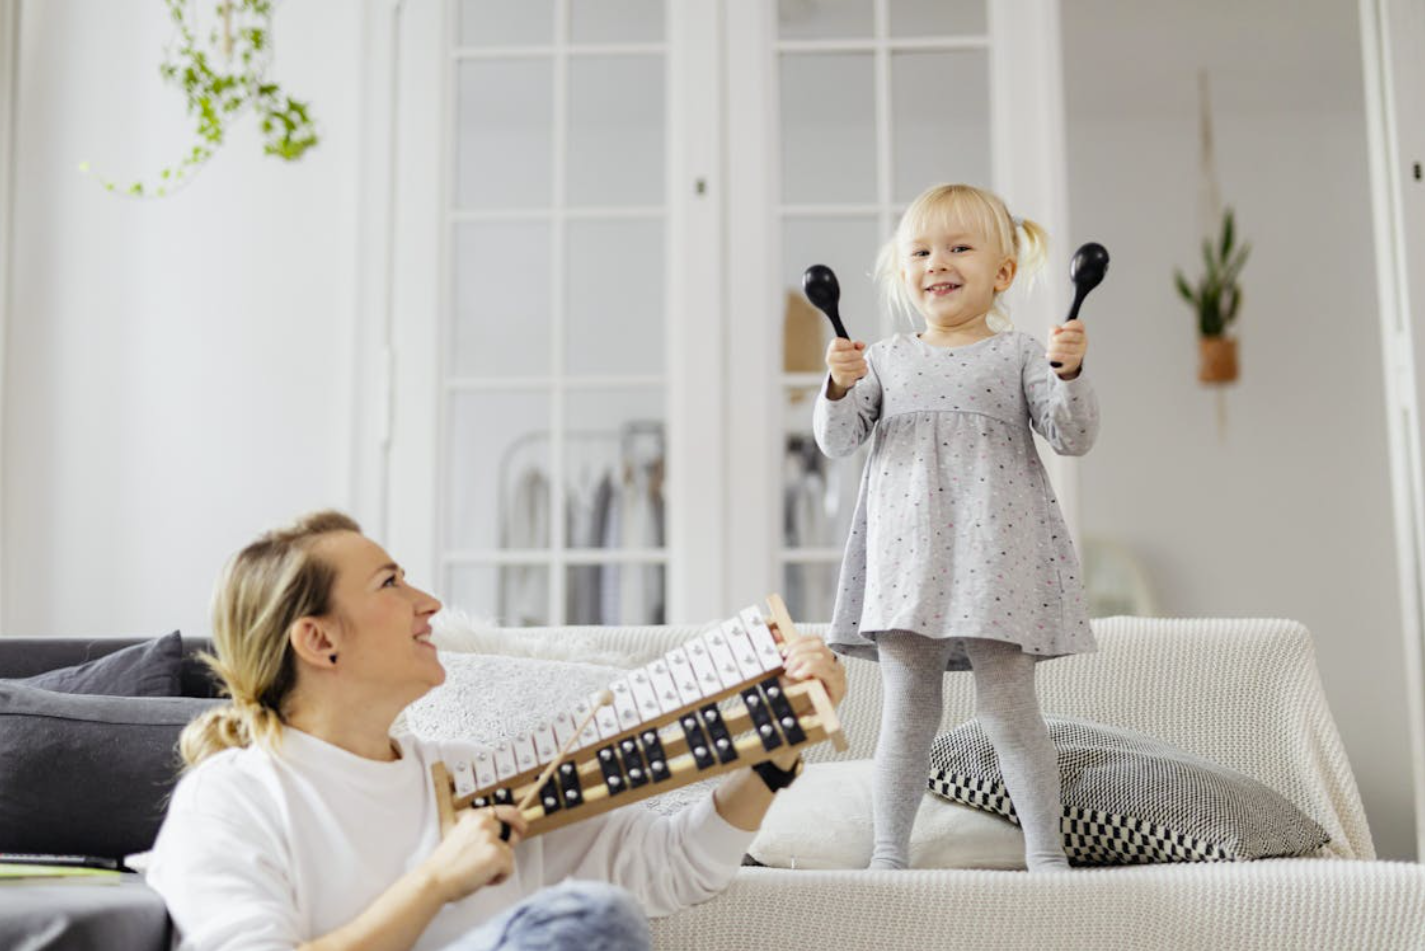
[{"x": 602, "y": 700}]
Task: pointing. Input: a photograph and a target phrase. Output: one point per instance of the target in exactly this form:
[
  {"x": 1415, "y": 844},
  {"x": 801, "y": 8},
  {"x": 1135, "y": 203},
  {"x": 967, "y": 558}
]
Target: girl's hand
[
  {"x": 847, "y": 363},
  {"x": 809, "y": 657},
  {"x": 1067, "y": 345},
  {"x": 472, "y": 855}
]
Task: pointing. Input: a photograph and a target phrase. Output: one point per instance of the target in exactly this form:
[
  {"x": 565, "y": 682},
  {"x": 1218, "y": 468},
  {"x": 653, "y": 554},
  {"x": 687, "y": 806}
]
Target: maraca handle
[{"x": 836, "y": 325}]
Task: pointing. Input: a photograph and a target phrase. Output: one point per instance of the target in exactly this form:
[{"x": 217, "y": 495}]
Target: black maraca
[
  {"x": 1086, "y": 270},
  {"x": 821, "y": 288}
]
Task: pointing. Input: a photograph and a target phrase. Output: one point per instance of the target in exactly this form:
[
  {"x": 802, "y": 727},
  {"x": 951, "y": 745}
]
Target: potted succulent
[{"x": 1216, "y": 299}]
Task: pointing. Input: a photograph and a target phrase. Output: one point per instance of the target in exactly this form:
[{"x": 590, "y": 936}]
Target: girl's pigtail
[{"x": 1033, "y": 243}]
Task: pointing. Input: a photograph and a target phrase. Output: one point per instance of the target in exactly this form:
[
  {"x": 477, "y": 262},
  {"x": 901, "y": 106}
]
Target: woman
[{"x": 302, "y": 823}]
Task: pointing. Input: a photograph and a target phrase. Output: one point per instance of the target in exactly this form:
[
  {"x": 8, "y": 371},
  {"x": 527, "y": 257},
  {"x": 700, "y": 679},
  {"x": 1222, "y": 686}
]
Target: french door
[{"x": 602, "y": 364}]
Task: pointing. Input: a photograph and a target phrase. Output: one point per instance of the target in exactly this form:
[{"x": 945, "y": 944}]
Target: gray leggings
[
  {"x": 912, "y": 675},
  {"x": 574, "y": 916}
]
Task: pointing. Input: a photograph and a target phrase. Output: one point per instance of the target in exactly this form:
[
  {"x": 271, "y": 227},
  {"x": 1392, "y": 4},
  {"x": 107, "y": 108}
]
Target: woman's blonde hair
[
  {"x": 263, "y": 591},
  {"x": 1023, "y": 241}
]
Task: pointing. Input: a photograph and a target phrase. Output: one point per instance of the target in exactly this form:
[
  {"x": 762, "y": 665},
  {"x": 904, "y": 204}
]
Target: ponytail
[{"x": 265, "y": 589}]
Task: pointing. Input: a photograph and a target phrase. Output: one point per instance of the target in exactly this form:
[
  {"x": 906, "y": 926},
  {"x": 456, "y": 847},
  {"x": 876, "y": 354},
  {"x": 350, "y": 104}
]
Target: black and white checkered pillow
[{"x": 1131, "y": 799}]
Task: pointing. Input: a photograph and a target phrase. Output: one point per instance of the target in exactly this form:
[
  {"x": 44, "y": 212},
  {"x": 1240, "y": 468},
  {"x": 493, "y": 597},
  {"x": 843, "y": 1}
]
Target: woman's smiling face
[{"x": 384, "y": 622}]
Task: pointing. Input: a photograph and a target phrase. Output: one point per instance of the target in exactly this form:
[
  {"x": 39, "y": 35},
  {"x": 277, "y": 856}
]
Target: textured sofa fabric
[{"x": 1244, "y": 694}]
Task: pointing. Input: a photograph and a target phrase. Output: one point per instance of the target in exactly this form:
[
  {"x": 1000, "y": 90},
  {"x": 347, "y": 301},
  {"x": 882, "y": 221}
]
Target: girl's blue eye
[{"x": 390, "y": 582}]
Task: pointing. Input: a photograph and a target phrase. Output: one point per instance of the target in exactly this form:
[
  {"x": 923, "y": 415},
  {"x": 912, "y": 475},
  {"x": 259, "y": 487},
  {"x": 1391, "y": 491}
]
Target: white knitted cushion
[
  {"x": 488, "y": 698},
  {"x": 1131, "y": 799}
]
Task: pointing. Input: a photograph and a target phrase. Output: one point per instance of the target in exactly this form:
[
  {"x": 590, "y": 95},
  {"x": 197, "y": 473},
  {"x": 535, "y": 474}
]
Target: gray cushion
[
  {"x": 150, "y": 669},
  {"x": 88, "y": 775},
  {"x": 1131, "y": 799}
]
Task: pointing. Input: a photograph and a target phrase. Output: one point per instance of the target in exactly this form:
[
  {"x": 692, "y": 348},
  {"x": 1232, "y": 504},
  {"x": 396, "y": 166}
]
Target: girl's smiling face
[{"x": 952, "y": 273}]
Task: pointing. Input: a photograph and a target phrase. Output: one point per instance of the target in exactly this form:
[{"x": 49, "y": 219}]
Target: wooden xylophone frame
[{"x": 751, "y": 735}]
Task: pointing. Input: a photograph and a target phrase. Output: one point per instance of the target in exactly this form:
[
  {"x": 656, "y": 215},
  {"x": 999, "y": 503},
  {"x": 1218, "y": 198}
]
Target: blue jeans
[{"x": 574, "y": 916}]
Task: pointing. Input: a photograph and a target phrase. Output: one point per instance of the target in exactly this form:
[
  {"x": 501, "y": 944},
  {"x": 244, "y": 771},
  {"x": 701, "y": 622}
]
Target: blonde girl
[{"x": 958, "y": 557}]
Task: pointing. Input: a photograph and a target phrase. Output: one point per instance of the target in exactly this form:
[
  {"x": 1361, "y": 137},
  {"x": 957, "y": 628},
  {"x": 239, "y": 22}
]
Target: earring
[{"x": 333, "y": 659}]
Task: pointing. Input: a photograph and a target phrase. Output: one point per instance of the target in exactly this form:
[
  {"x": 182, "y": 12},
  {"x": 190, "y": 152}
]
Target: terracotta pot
[{"x": 1217, "y": 359}]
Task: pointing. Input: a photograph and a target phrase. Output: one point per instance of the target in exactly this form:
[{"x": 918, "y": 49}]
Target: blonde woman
[{"x": 302, "y": 822}]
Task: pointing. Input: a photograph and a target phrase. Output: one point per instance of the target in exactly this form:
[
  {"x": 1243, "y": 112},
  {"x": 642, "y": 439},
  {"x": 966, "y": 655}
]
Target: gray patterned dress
[{"x": 956, "y": 532}]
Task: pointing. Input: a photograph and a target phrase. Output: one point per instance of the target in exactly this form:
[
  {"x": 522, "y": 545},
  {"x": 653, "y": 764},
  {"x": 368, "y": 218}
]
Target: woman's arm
[
  {"x": 471, "y": 856},
  {"x": 743, "y": 798}
]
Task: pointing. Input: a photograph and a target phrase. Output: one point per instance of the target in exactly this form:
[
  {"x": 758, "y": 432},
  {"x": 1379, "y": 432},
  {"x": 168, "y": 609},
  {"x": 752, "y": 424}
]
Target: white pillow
[
  {"x": 456, "y": 631},
  {"x": 823, "y": 821}
]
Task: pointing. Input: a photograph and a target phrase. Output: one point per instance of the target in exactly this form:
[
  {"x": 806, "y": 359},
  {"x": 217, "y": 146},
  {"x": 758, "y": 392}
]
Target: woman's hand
[
  {"x": 847, "y": 363},
  {"x": 809, "y": 657},
  {"x": 472, "y": 855},
  {"x": 1068, "y": 342}
]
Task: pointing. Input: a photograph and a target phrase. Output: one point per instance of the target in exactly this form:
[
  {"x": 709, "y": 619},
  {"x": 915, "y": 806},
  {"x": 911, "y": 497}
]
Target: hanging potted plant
[
  {"x": 219, "y": 58},
  {"x": 1216, "y": 300}
]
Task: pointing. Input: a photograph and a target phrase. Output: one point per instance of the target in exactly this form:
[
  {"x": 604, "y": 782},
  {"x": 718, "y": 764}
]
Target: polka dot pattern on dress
[{"x": 956, "y": 531}]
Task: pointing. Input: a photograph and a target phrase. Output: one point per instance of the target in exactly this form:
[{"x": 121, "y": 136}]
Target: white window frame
[{"x": 1395, "y": 128}]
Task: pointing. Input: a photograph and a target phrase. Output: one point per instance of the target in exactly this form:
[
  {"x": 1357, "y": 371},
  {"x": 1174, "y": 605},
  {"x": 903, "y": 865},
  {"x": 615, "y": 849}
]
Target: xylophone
[{"x": 717, "y": 703}]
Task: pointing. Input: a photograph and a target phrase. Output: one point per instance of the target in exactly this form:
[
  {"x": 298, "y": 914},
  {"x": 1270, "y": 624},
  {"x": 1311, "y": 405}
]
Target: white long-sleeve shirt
[{"x": 261, "y": 851}]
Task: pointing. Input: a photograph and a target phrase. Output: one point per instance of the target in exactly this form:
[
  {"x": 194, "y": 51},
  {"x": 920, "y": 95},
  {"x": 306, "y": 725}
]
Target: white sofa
[{"x": 1244, "y": 694}]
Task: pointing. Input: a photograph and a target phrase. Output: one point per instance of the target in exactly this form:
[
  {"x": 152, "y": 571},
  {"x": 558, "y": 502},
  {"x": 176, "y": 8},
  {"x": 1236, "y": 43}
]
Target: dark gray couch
[{"x": 79, "y": 915}]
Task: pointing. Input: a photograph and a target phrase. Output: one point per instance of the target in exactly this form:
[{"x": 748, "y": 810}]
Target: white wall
[
  {"x": 1288, "y": 515},
  {"x": 177, "y": 370}
]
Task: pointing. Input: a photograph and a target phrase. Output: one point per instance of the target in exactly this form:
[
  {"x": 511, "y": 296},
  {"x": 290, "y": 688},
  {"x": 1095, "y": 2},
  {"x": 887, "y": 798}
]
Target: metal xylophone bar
[{"x": 665, "y": 728}]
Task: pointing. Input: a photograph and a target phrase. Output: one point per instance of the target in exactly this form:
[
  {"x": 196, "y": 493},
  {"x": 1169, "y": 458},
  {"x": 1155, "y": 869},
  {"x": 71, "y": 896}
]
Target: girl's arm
[
  {"x": 842, "y": 425},
  {"x": 1064, "y": 412}
]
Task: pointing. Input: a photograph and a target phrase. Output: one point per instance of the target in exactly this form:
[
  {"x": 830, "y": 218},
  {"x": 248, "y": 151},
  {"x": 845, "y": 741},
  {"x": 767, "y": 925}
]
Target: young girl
[{"x": 958, "y": 556}]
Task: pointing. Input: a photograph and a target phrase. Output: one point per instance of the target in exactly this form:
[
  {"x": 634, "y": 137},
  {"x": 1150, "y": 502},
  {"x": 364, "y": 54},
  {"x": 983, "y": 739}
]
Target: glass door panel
[
  {"x": 504, "y": 133},
  {"x": 497, "y": 487},
  {"x": 555, "y": 370},
  {"x": 616, "y": 21},
  {"x": 923, "y": 18},
  {"x": 502, "y": 302},
  {"x": 950, "y": 143},
  {"x": 615, "y": 465},
  {"x": 824, "y": 19},
  {"x": 501, "y": 23},
  {"x": 614, "y": 296},
  {"x": 828, "y": 122},
  {"x": 616, "y": 130}
]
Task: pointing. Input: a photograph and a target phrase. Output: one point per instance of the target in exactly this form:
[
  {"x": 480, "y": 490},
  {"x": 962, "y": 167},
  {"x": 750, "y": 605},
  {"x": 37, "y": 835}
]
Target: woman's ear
[{"x": 314, "y": 641}]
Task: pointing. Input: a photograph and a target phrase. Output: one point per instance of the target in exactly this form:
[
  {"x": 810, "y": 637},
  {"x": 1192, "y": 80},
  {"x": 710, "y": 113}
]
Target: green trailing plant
[
  {"x": 221, "y": 76},
  {"x": 1218, "y": 295}
]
